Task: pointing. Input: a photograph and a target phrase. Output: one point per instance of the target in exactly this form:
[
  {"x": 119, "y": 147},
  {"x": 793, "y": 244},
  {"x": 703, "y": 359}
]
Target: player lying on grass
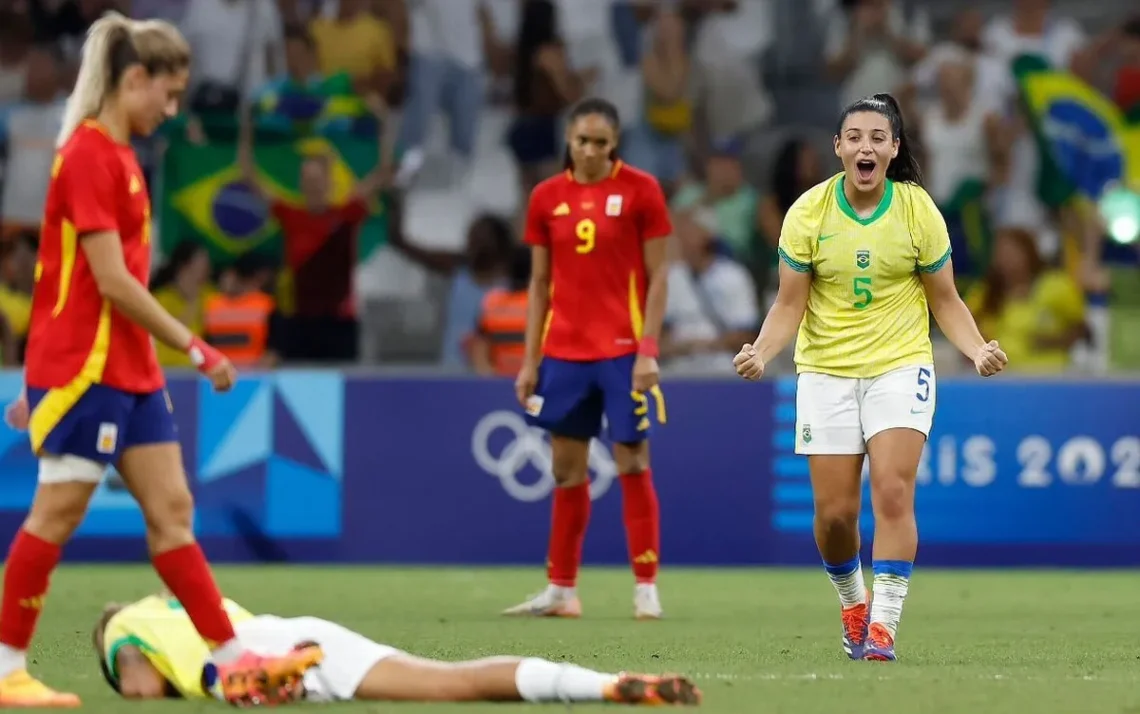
[{"x": 150, "y": 650}]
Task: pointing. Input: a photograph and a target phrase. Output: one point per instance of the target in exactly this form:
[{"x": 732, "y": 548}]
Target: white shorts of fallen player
[
  {"x": 348, "y": 656},
  {"x": 839, "y": 415}
]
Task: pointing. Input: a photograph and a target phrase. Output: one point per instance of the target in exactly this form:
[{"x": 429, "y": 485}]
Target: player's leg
[
  {"x": 76, "y": 439},
  {"x": 151, "y": 467},
  {"x": 828, "y": 432},
  {"x": 631, "y": 416},
  {"x": 358, "y": 668},
  {"x": 898, "y": 410},
  {"x": 568, "y": 405}
]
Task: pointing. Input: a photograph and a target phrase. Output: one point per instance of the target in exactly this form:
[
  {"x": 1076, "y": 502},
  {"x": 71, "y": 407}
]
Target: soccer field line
[{"x": 814, "y": 676}]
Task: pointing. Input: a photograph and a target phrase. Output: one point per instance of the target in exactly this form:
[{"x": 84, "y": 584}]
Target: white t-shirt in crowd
[
  {"x": 32, "y": 130},
  {"x": 449, "y": 29},
  {"x": 223, "y": 32},
  {"x": 724, "y": 288},
  {"x": 878, "y": 69}
]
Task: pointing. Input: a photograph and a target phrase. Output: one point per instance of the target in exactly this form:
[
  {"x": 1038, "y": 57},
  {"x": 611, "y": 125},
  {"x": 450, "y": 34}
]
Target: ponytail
[
  {"x": 107, "y": 34},
  {"x": 115, "y": 43},
  {"x": 903, "y": 168}
]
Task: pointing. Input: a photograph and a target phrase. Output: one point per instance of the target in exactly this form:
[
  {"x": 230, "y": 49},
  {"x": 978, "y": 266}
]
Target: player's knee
[
  {"x": 57, "y": 511},
  {"x": 632, "y": 458},
  {"x": 569, "y": 463},
  {"x": 893, "y": 498},
  {"x": 837, "y": 516},
  {"x": 171, "y": 516}
]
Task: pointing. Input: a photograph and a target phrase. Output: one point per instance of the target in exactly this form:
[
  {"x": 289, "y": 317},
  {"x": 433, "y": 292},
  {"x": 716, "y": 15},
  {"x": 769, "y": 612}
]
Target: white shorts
[
  {"x": 839, "y": 415},
  {"x": 348, "y": 655}
]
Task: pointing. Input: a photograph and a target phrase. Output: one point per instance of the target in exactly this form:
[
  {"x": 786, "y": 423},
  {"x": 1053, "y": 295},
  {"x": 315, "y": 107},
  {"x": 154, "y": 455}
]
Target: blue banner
[{"x": 318, "y": 466}]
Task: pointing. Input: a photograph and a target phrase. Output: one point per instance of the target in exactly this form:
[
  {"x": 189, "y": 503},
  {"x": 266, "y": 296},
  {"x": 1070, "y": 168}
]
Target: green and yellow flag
[
  {"x": 1089, "y": 146},
  {"x": 203, "y": 198}
]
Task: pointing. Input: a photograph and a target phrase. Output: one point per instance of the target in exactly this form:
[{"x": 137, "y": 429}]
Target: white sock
[
  {"x": 12, "y": 660},
  {"x": 848, "y": 581},
  {"x": 887, "y": 605},
  {"x": 539, "y": 680},
  {"x": 228, "y": 652},
  {"x": 562, "y": 592}
]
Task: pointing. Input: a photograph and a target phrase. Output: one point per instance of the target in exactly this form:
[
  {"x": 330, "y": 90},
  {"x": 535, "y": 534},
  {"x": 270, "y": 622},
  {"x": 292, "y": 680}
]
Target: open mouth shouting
[{"x": 865, "y": 169}]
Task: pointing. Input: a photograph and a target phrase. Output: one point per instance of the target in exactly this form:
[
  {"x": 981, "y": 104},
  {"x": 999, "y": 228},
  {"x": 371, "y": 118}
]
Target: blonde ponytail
[
  {"x": 113, "y": 43},
  {"x": 94, "y": 81}
]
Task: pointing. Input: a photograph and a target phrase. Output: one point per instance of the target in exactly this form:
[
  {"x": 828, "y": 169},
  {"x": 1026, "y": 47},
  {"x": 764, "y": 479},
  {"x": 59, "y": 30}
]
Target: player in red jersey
[
  {"x": 597, "y": 299},
  {"x": 94, "y": 392}
]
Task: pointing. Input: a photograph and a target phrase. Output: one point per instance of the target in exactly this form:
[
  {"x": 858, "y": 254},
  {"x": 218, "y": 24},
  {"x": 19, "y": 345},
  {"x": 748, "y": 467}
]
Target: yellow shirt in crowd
[{"x": 359, "y": 46}]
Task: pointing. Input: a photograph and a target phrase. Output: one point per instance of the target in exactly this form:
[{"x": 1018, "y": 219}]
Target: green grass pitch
[{"x": 761, "y": 641}]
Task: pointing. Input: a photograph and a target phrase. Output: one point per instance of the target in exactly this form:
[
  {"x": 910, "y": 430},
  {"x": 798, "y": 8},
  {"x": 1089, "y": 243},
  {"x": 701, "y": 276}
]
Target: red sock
[
  {"x": 187, "y": 574},
  {"x": 567, "y": 531},
  {"x": 31, "y": 561},
  {"x": 642, "y": 524}
]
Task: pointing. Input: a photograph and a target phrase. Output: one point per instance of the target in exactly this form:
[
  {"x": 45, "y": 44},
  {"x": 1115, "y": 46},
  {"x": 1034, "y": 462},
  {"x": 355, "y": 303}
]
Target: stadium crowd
[{"x": 730, "y": 103}]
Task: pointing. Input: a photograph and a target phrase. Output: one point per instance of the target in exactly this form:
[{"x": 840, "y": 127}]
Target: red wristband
[
  {"x": 648, "y": 347},
  {"x": 203, "y": 355}
]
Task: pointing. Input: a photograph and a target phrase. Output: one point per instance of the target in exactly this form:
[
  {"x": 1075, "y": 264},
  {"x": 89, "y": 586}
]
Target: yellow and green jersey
[
  {"x": 867, "y": 312},
  {"x": 161, "y": 629}
]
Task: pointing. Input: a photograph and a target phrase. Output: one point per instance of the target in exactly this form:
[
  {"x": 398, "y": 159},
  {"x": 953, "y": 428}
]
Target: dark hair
[
  {"x": 785, "y": 173},
  {"x": 996, "y": 286},
  {"x": 299, "y": 33},
  {"x": 519, "y": 268},
  {"x": 904, "y": 168},
  {"x": 179, "y": 258},
  {"x": 538, "y": 27},
  {"x": 1132, "y": 28},
  {"x": 586, "y": 107}
]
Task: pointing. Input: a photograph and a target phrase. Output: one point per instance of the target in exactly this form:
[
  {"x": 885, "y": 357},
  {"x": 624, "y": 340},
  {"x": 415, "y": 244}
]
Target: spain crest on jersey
[{"x": 863, "y": 259}]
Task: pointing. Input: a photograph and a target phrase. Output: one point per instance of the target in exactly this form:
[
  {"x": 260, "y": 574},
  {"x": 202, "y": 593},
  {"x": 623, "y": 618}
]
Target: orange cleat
[
  {"x": 653, "y": 691},
  {"x": 20, "y": 690},
  {"x": 255, "y": 680}
]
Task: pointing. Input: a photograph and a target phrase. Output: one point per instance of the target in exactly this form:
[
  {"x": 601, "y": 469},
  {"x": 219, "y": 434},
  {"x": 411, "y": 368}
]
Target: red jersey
[
  {"x": 76, "y": 338},
  {"x": 320, "y": 250},
  {"x": 596, "y": 233}
]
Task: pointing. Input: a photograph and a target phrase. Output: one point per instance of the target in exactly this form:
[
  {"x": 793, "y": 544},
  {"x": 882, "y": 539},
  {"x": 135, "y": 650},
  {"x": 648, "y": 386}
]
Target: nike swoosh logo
[
  {"x": 917, "y": 411},
  {"x": 826, "y": 237}
]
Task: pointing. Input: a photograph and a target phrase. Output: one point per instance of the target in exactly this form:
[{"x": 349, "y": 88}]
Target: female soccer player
[
  {"x": 95, "y": 394},
  {"x": 149, "y": 650},
  {"x": 863, "y": 255},
  {"x": 597, "y": 299}
]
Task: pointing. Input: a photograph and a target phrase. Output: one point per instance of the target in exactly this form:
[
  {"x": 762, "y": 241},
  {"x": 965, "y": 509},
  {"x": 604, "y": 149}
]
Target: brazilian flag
[
  {"x": 967, "y": 220},
  {"x": 1089, "y": 147},
  {"x": 204, "y": 199}
]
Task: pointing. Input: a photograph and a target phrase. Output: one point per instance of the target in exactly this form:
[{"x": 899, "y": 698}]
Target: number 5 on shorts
[
  {"x": 923, "y": 393},
  {"x": 862, "y": 289}
]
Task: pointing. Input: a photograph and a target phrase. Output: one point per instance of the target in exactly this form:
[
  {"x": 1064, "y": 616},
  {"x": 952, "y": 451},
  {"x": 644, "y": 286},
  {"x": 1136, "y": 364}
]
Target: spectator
[
  {"x": 65, "y": 23},
  {"x": 479, "y": 269},
  {"x": 15, "y": 42},
  {"x": 872, "y": 44},
  {"x": 320, "y": 251},
  {"x": 30, "y": 128},
  {"x": 1037, "y": 314},
  {"x": 499, "y": 343},
  {"x": 963, "y": 46},
  {"x": 239, "y": 318},
  {"x": 1121, "y": 52},
  {"x": 446, "y": 74},
  {"x": 728, "y": 194},
  {"x": 796, "y": 169},
  {"x": 356, "y": 42},
  {"x": 16, "y": 283},
  {"x": 586, "y": 29},
  {"x": 545, "y": 84},
  {"x": 305, "y": 98},
  {"x": 712, "y": 307},
  {"x": 727, "y": 55},
  {"x": 658, "y": 145},
  {"x": 1032, "y": 28},
  {"x": 182, "y": 286},
  {"x": 237, "y": 47}
]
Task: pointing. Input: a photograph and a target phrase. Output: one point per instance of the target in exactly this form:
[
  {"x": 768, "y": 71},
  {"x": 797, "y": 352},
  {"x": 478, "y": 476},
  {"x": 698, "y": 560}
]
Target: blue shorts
[
  {"x": 572, "y": 397},
  {"x": 101, "y": 424}
]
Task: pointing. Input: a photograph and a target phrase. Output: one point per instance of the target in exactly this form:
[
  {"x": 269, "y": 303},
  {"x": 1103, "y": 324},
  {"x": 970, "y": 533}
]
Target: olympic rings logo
[{"x": 528, "y": 446}]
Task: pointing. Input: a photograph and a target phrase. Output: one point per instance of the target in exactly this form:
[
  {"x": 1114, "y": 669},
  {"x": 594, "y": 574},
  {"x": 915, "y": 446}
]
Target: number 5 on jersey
[
  {"x": 862, "y": 289},
  {"x": 587, "y": 232}
]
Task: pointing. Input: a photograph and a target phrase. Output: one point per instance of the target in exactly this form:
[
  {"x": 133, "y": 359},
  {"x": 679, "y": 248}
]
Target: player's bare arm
[
  {"x": 646, "y": 372},
  {"x": 537, "y": 305},
  {"x": 781, "y": 323},
  {"x": 957, "y": 323},
  {"x": 104, "y": 253}
]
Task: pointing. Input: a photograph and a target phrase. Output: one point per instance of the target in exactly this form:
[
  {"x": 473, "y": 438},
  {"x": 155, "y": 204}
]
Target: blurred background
[{"x": 417, "y": 128}]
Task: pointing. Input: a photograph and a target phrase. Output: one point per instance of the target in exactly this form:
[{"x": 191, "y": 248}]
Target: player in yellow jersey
[
  {"x": 150, "y": 650},
  {"x": 865, "y": 259}
]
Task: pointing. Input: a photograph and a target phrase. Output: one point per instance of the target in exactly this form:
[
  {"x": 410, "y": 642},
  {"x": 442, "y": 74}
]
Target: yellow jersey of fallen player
[
  {"x": 161, "y": 629},
  {"x": 867, "y": 312}
]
